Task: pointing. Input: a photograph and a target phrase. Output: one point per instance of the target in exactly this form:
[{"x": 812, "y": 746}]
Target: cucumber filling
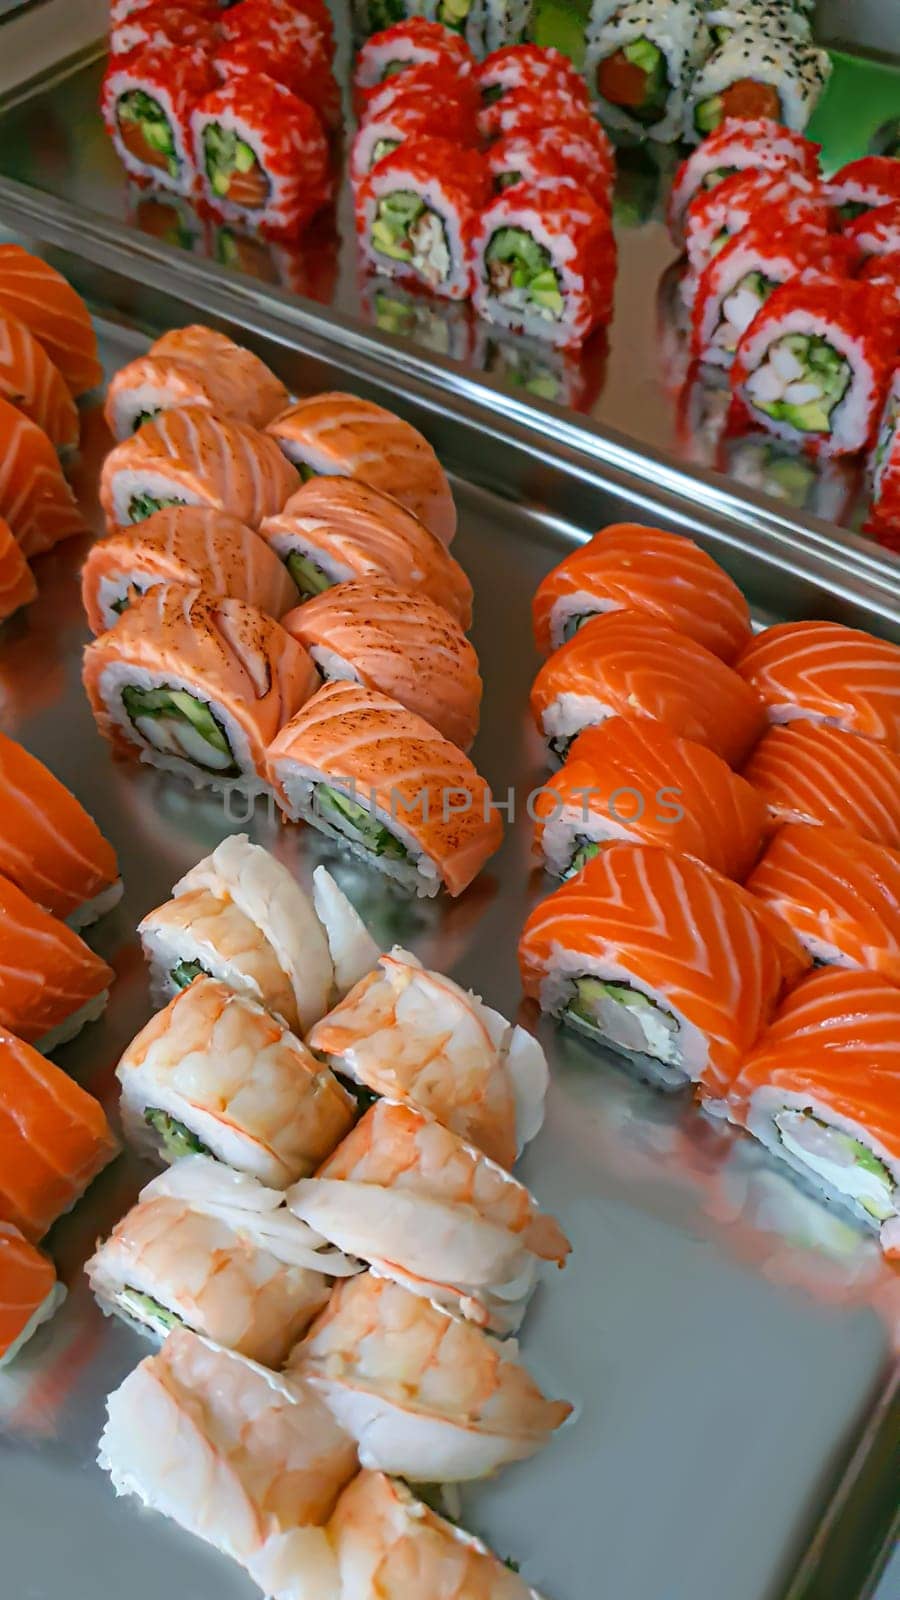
[
  {"x": 718, "y": 175},
  {"x": 143, "y": 118},
  {"x": 309, "y": 578},
  {"x": 585, "y": 851},
  {"x": 178, "y": 724},
  {"x": 801, "y": 381},
  {"x": 142, "y": 506},
  {"x": 306, "y": 471},
  {"x": 493, "y": 93},
  {"x": 185, "y": 972},
  {"x": 177, "y": 1140},
  {"x": 844, "y": 1163},
  {"x": 740, "y": 307},
  {"x": 392, "y": 68},
  {"x": 617, "y": 1014},
  {"x": 505, "y": 180},
  {"x": 521, "y": 273},
  {"x": 454, "y": 14},
  {"x": 382, "y": 148},
  {"x": 406, "y": 229},
  {"x": 851, "y": 209},
  {"x": 143, "y": 1308},
  {"x": 708, "y": 113},
  {"x": 574, "y": 622},
  {"x": 142, "y": 417},
  {"x": 358, "y": 824},
  {"x": 226, "y": 154}
]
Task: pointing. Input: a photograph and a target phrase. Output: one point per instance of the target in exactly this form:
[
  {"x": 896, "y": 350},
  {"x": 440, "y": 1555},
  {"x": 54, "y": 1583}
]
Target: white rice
[
  {"x": 90, "y": 911},
  {"x": 570, "y": 713},
  {"x": 89, "y": 1012},
  {"x": 112, "y": 591}
]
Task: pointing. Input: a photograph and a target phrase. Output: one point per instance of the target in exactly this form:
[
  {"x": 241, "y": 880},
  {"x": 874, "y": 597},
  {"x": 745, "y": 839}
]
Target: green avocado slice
[{"x": 177, "y": 1140}]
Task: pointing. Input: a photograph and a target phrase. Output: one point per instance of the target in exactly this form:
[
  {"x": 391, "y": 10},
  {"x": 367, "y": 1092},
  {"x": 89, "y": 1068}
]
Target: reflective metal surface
[
  {"x": 728, "y": 1341},
  {"x": 634, "y": 380}
]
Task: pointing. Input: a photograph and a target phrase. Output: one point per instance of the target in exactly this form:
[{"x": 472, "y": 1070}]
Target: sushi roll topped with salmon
[
  {"x": 414, "y": 42},
  {"x": 827, "y": 673},
  {"x": 194, "y": 366},
  {"x": 51, "y": 982},
  {"x": 810, "y": 772},
  {"x": 59, "y": 319},
  {"x": 29, "y": 1291}
]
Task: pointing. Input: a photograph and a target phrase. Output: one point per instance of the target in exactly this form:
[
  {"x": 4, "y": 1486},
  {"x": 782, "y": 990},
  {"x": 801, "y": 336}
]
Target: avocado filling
[
  {"x": 740, "y": 307},
  {"x": 383, "y": 12},
  {"x": 521, "y": 273},
  {"x": 142, "y": 506},
  {"x": 392, "y": 68},
  {"x": 142, "y": 417},
  {"x": 844, "y": 1163},
  {"x": 229, "y": 160},
  {"x": 454, "y": 14},
  {"x": 493, "y": 93},
  {"x": 505, "y": 180},
  {"x": 851, "y": 209},
  {"x": 709, "y": 113},
  {"x": 383, "y": 148},
  {"x": 574, "y": 622},
  {"x": 526, "y": 371},
  {"x": 174, "y": 722},
  {"x": 617, "y": 1014},
  {"x": 636, "y": 78},
  {"x": 718, "y": 175},
  {"x": 185, "y": 972},
  {"x": 801, "y": 381},
  {"x": 585, "y": 851},
  {"x": 177, "y": 1140},
  {"x": 143, "y": 1308},
  {"x": 309, "y": 578},
  {"x": 146, "y": 131},
  {"x": 356, "y": 823},
  {"x": 405, "y": 229}
]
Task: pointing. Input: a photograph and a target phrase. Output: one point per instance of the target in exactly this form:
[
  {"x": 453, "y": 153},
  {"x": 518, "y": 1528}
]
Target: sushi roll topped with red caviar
[
  {"x": 526, "y": 68},
  {"x": 261, "y": 154},
  {"x": 738, "y": 144},
  {"x": 417, "y": 211},
  {"x": 413, "y": 42},
  {"x": 148, "y": 97},
  {"x": 553, "y": 155}
]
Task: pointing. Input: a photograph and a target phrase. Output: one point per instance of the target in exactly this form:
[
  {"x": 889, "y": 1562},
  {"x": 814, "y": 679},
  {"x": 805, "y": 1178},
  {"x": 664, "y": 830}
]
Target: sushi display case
[
  {"x": 632, "y": 384},
  {"x": 729, "y": 1342}
]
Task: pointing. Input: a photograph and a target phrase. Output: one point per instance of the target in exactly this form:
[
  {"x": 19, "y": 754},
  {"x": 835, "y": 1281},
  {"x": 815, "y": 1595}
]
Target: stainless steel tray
[
  {"x": 728, "y": 1341},
  {"x": 634, "y": 382}
]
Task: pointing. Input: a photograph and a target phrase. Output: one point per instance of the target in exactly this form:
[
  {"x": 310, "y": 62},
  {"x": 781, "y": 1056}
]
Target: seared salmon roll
[
  {"x": 810, "y": 772},
  {"x": 827, "y": 673},
  {"x": 196, "y": 685},
  {"x": 261, "y": 154},
  {"x": 194, "y": 366},
  {"x": 190, "y": 457},
  {"x": 416, "y": 211},
  {"x": 659, "y": 958},
  {"x": 193, "y": 546},
  {"x": 216, "y": 1075},
  {"x": 148, "y": 98},
  {"x": 367, "y": 772},
  {"x": 821, "y": 1090},
  {"x": 31, "y": 383},
  {"x": 630, "y": 778},
  {"x": 340, "y": 435},
  {"x": 629, "y": 664},
  {"x": 404, "y": 644},
  {"x": 627, "y": 566},
  {"x": 337, "y": 530}
]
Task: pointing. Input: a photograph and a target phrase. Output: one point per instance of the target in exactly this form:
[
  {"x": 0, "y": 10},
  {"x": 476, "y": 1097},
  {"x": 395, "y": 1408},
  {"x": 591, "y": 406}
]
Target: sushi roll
[
  {"x": 544, "y": 261},
  {"x": 660, "y": 959},
  {"x": 236, "y": 1455},
  {"x": 864, "y": 185},
  {"x": 814, "y": 364},
  {"x": 379, "y": 1527},
  {"x": 17, "y": 583},
  {"x": 884, "y": 272},
  {"x": 216, "y": 1075},
  {"x": 157, "y": 26},
  {"x": 810, "y": 772},
  {"x": 416, "y": 212},
  {"x": 784, "y": 197},
  {"x": 266, "y": 1274},
  {"x": 770, "y": 18},
  {"x": 190, "y": 457},
  {"x": 423, "y": 1395},
  {"x": 147, "y": 99},
  {"x": 414, "y": 42},
  {"x": 51, "y": 983},
  {"x": 552, "y": 155},
  {"x": 406, "y": 645},
  {"x": 638, "y": 62},
  {"x": 54, "y": 1136},
  {"x": 307, "y": 73},
  {"x": 757, "y": 75},
  {"x": 196, "y": 685},
  {"x": 30, "y": 1293},
  {"x": 195, "y": 367},
  {"x": 240, "y": 916},
  {"x": 439, "y": 114},
  {"x": 422, "y": 1208},
  {"x": 629, "y": 664},
  {"x": 306, "y": 28},
  {"x": 738, "y": 281},
  {"x": 261, "y": 155},
  {"x": 35, "y": 499},
  {"x": 739, "y": 144},
  {"x": 59, "y": 319},
  {"x": 195, "y": 547},
  {"x": 527, "y": 67},
  {"x": 820, "y": 1090},
  {"x": 631, "y": 567},
  {"x": 839, "y": 893},
  {"x": 885, "y": 462},
  {"x": 376, "y": 777},
  {"x": 876, "y": 233},
  {"x": 341, "y": 436},
  {"x": 416, "y": 1037},
  {"x": 335, "y": 530},
  {"x": 31, "y": 383},
  {"x": 371, "y": 17},
  {"x": 632, "y": 779},
  {"x": 828, "y": 673},
  {"x": 49, "y": 846},
  {"x": 486, "y": 25}
]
